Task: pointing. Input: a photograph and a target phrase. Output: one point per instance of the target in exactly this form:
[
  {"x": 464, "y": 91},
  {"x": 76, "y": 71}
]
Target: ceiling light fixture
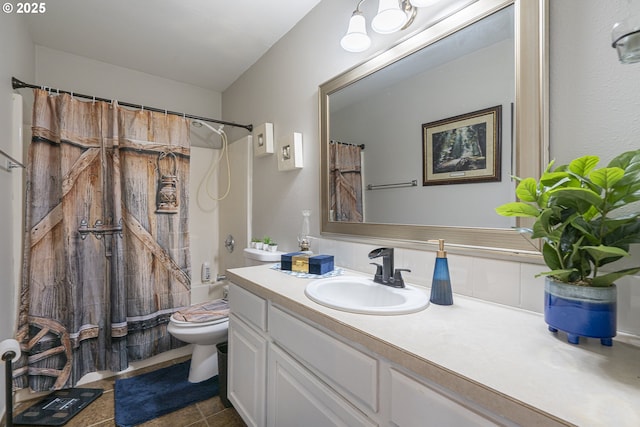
[{"x": 392, "y": 16}]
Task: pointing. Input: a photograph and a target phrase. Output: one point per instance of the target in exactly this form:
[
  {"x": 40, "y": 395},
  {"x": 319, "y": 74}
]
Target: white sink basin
[{"x": 362, "y": 295}]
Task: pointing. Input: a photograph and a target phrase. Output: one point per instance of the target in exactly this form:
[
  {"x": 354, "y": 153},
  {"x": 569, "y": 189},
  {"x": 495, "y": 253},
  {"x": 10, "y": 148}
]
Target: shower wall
[{"x": 203, "y": 222}]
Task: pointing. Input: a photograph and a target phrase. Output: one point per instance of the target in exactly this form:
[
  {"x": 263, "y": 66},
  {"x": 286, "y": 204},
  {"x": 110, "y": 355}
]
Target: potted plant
[
  {"x": 572, "y": 208},
  {"x": 255, "y": 242},
  {"x": 266, "y": 241},
  {"x": 273, "y": 246}
]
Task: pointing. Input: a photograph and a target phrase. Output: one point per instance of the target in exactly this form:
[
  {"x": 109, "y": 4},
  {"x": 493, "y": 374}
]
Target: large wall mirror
[{"x": 435, "y": 127}]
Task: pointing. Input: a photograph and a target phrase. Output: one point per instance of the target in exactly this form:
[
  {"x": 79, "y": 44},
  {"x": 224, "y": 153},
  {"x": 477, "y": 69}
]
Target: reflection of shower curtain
[
  {"x": 97, "y": 299},
  {"x": 345, "y": 182}
]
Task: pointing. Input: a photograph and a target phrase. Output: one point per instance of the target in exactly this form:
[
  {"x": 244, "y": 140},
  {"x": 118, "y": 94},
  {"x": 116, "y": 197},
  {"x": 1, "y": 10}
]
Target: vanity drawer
[
  {"x": 248, "y": 306},
  {"x": 352, "y": 371}
]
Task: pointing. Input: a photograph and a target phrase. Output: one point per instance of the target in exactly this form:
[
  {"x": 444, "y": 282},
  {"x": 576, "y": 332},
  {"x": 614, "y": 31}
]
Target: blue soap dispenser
[{"x": 441, "y": 286}]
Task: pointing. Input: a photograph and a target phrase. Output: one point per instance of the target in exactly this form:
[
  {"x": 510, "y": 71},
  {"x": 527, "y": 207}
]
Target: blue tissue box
[
  {"x": 320, "y": 264},
  {"x": 286, "y": 260}
]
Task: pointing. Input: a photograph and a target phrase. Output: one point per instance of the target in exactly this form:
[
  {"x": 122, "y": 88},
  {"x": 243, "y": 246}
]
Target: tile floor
[{"x": 100, "y": 413}]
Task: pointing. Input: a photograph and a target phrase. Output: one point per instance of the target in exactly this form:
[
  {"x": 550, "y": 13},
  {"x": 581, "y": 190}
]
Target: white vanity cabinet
[
  {"x": 311, "y": 377},
  {"x": 247, "y": 362}
]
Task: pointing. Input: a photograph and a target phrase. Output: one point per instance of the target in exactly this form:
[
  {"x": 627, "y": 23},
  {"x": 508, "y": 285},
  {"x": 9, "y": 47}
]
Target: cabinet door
[
  {"x": 414, "y": 404},
  {"x": 297, "y": 398},
  {"x": 247, "y": 372}
]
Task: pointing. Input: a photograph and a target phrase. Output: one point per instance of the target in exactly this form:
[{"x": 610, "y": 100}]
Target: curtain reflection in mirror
[{"x": 345, "y": 182}]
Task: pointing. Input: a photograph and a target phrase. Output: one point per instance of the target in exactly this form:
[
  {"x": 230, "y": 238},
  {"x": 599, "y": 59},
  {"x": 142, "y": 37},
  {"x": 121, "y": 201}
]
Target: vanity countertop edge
[{"x": 502, "y": 358}]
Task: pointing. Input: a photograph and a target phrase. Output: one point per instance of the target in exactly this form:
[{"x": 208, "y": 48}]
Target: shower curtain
[
  {"x": 345, "y": 182},
  {"x": 106, "y": 258}
]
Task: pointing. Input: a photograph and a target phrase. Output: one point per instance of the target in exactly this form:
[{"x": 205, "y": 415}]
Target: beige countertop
[{"x": 503, "y": 358}]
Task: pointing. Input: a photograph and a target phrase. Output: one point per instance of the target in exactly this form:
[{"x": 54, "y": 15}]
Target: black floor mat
[{"x": 58, "y": 408}]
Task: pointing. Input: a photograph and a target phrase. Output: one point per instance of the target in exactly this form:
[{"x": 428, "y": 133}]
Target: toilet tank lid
[{"x": 263, "y": 256}]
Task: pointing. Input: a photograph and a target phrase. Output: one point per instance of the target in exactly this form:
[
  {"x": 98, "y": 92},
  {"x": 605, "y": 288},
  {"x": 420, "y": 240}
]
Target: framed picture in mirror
[{"x": 462, "y": 149}]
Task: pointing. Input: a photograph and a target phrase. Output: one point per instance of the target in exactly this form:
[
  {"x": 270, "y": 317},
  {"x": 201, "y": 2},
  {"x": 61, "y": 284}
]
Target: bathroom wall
[
  {"x": 594, "y": 109},
  {"x": 17, "y": 59}
]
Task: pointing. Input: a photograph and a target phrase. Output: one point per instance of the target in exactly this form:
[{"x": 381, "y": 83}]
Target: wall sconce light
[
  {"x": 392, "y": 16},
  {"x": 626, "y": 40},
  {"x": 625, "y": 37}
]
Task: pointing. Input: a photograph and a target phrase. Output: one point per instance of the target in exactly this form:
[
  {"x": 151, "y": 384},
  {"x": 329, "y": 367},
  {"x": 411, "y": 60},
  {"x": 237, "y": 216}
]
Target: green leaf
[
  {"x": 584, "y": 227},
  {"x": 610, "y": 278},
  {"x": 552, "y": 179},
  {"x": 629, "y": 161},
  {"x": 579, "y": 198},
  {"x": 539, "y": 231},
  {"x": 631, "y": 232},
  {"x": 561, "y": 275},
  {"x": 518, "y": 209},
  {"x": 551, "y": 257},
  {"x": 582, "y": 166},
  {"x": 549, "y": 166},
  {"x": 606, "y": 177},
  {"x": 527, "y": 190},
  {"x": 622, "y": 235},
  {"x": 601, "y": 252}
]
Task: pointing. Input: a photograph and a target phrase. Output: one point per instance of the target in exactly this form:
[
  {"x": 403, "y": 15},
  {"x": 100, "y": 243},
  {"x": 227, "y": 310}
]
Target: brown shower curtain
[
  {"x": 345, "y": 182},
  {"x": 106, "y": 257}
]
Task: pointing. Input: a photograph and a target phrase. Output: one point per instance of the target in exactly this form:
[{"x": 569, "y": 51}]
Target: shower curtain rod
[
  {"x": 17, "y": 84},
  {"x": 333, "y": 141}
]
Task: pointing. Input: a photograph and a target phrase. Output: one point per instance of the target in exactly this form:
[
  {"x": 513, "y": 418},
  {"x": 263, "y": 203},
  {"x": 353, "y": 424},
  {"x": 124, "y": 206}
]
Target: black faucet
[{"x": 385, "y": 271}]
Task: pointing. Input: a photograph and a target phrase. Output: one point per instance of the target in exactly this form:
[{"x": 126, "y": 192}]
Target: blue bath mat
[{"x": 148, "y": 396}]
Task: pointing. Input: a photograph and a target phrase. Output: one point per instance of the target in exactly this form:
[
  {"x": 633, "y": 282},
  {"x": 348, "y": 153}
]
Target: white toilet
[{"x": 205, "y": 335}]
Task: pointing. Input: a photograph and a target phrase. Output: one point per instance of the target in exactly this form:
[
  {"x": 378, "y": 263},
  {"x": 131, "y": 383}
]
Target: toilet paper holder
[{"x": 10, "y": 350}]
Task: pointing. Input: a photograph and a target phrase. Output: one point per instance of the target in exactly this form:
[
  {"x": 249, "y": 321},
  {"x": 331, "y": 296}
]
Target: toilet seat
[
  {"x": 204, "y": 313},
  {"x": 185, "y": 324}
]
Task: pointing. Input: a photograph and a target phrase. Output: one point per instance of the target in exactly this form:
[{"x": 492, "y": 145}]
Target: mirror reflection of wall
[{"x": 467, "y": 71}]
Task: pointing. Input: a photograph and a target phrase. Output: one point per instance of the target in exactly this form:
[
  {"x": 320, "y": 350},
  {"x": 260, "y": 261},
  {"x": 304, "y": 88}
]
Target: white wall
[
  {"x": 594, "y": 109},
  {"x": 16, "y": 59},
  {"x": 595, "y": 101},
  {"x": 62, "y": 70}
]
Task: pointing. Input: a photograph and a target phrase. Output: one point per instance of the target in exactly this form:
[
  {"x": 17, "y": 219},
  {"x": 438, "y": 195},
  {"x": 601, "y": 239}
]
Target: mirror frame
[{"x": 530, "y": 120}]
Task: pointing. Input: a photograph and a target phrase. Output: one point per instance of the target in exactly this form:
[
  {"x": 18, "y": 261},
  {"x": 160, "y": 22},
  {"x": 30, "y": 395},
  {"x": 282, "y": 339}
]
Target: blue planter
[{"x": 581, "y": 311}]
